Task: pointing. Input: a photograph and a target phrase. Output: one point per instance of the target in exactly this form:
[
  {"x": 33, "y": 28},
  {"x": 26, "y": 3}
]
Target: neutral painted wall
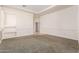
[
  {"x": 78, "y": 23},
  {"x": 0, "y": 18},
  {"x": 23, "y": 22},
  {"x": 62, "y": 23},
  {"x": 0, "y": 23}
]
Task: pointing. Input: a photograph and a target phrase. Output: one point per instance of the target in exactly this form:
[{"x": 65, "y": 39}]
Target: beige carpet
[{"x": 39, "y": 44}]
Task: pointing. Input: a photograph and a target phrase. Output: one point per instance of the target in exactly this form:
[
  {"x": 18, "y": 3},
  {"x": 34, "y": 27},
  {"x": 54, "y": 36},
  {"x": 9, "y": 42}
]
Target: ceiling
[
  {"x": 39, "y": 9},
  {"x": 30, "y": 8}
]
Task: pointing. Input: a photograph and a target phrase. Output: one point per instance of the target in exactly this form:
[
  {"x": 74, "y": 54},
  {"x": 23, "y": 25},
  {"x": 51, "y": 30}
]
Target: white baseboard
[
  {"x": 16, "y": 36},
  {"x": 59, "y": 36}
]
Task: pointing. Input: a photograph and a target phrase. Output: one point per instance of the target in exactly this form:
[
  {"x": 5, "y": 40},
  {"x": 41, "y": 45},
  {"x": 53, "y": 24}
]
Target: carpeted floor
[{"x": 39, "y": 44}]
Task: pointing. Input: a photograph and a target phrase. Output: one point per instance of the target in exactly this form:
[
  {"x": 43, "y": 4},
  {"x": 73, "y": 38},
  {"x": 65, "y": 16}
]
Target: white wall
[
  {"x": 0, "y": 18},
  {"x": 61, "y": 23},
  {"x": 0, "y": 23},
  {"x": 21, "y": 22},
  {"x": 24, "y": 23},
  {"x": 78, "y": 23}
]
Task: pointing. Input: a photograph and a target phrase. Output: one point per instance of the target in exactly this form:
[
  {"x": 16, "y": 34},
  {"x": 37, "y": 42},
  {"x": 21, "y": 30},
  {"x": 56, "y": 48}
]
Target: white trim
[
  {"x": 16, "y": 36},
  {"x": 59, "y": 36}
]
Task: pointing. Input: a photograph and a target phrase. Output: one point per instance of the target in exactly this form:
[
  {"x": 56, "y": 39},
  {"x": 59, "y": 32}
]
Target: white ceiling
[
  {"x": 39, "y": 9},
  {"x": 30, "y": 8}
]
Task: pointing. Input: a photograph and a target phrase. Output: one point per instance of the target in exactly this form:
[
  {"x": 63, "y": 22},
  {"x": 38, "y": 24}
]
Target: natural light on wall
[{"x": 10, "y": 20}]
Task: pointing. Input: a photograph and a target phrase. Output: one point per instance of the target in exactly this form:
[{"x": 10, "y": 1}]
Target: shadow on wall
[{"x": 0, "y": 36}]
